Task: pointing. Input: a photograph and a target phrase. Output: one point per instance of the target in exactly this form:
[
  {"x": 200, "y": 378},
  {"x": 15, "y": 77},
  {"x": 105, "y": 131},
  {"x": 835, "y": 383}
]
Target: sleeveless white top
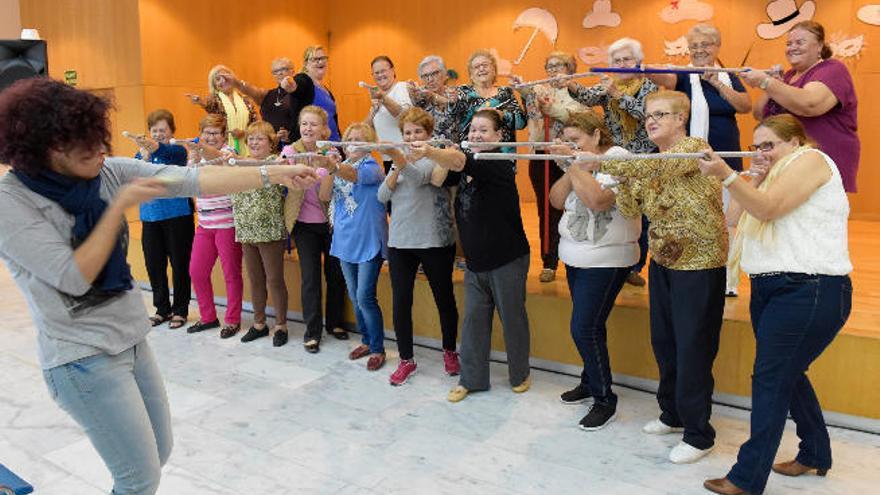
[{"x": 810, "y": 239}]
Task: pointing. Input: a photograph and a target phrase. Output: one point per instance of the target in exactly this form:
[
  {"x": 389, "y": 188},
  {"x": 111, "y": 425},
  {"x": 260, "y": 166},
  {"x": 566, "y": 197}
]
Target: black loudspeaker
[{"x": 20, "y": 59}]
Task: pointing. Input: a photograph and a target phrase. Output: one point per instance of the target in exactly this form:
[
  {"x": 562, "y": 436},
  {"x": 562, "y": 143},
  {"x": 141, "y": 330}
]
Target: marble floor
[{"x": 250, "y": 418}]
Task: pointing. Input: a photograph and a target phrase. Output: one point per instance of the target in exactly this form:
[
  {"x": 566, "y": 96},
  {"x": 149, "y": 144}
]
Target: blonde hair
[
  {"x": 314, "y": 110},
  {"x": 367, "y": 130},
  {"x": 213, "y": 73},
  {"x": 309, "y": 51},
  {"x": 482, "y": 52},
  {"x": 786, "y": 126},
  {"x": 213, "y": 120},
  {"x": 567, "y": 59},
  {"x": 416, "y": 116},
  {"x": 264, "y": 128},
  {"x": 679, "y": 101},
  {"x": 588, "y": 122}
]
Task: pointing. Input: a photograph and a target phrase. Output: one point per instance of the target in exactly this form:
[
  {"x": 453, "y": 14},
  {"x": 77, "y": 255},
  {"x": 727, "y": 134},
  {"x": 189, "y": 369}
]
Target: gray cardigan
[
  {"x": 421, "y": 216},
  {"x": 35, "y": 244}
]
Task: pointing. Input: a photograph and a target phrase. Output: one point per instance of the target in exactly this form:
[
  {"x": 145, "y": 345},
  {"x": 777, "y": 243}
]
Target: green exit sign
[{"x": 70, "y": 77}]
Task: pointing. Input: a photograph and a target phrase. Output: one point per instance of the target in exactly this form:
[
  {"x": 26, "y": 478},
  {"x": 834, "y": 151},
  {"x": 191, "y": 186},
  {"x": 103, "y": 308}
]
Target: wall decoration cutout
[
  {"x": 541, "y": 21},
  {"x": 686, "y": 10},
  {"x": 870, "y": 14},
  {"x": 676, "y": 48},
  {"x": 594, "y": 55},
  {"x": 504, "y": 66},
  {"x": 847, "y": 47},
  {"x": 784, "y": 14},
  {"x": 601, "y": 15}
]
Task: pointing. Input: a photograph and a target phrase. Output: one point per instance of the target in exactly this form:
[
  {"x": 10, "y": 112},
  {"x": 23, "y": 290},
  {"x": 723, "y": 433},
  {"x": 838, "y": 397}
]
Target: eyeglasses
[
  {"x": 431, "y": 75},
  {"x": 797, "y": 43},
  {"x": 322, "y": 58},
  {"x": 280, "y": 71},
  {"x": 657, "y": 115},
  {"x": 484, "y": 65},
  {"x": 555, "y": 67},
  {"x": 701, "y": 46},
  {"x": 212, "y": 133},
  {"x": 622, "y": 61},
  {"x": 765, "y": 146}
]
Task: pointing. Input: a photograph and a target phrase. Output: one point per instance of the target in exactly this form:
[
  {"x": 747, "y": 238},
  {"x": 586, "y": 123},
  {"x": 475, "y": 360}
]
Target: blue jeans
[
  {"x": 361, "y": 279},
  {"x": 795, "y": 317},
  {"x": 593, "y": 291},
  {"x": 121, "y": 404}
]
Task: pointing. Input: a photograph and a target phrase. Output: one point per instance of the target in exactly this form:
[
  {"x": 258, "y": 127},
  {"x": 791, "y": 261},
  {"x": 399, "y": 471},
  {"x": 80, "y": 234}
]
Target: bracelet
[
  {"x": 730, "y": 178},
  {"x": 264, "y": 177},
  {"x": 765, "y": 83}
]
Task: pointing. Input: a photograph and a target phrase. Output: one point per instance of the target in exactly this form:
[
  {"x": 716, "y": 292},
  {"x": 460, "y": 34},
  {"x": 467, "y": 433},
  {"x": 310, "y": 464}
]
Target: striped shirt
[{"x": 215, "y": 212}]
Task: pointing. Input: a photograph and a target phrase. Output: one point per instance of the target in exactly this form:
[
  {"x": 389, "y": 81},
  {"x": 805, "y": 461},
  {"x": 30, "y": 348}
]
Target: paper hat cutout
[
  {"x": 601, "y": 15},
  {"x": 870, "y": 14},
  {"x": 783, "y": 15},
  {"x": 594, "y": 55},
  {"x": 686, "y": 10},
  {"x": 504, "y": 65},
  {"x": 676, "y": 48},
  {"x": 845, "y": 46}
]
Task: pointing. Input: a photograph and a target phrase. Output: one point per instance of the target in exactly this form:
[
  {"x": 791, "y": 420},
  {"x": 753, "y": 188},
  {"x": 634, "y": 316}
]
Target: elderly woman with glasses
[
  {"x": 622, "y": 97},
  {"x": 549, "y": 107},
  {"x": 819, "y": 91},
  {"x": 688, "y": 257},
  {"x": 433, "y": 95},
  {"x": 484, "y": 92}
]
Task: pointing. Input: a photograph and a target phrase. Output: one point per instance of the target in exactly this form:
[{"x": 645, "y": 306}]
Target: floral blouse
[
  {"x": 687, "y": 230},
  {"x": 633, "y": 105},
  {"x": 444, "y": 121},
  {"x": 259, "y": 214},
  {"x": 468, "y": 101}
]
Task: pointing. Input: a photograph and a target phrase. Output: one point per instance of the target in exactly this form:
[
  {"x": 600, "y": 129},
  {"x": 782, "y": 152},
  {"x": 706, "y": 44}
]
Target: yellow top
[{"x": 688, "y": 230}]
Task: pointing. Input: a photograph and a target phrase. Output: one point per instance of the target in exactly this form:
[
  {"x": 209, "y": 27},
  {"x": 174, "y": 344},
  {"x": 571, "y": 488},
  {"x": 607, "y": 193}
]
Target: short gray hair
[
  {"x": 282, "y": 61},
  {"x": 707, "y": 30},
  {"x": 623, "y": 43},
  {"x": 431, "y": 59}
]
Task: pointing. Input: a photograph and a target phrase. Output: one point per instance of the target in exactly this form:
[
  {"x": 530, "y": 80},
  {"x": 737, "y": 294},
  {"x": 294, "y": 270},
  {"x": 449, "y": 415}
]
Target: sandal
[
  {"x": 229, "y": 331},
  {"x": 176, "y": 322},
  {"x": 158, "y": 319}
]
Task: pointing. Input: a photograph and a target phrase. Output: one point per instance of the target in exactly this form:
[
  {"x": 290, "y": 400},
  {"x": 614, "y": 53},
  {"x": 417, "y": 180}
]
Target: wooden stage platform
[{"x": 846, "y": 376}]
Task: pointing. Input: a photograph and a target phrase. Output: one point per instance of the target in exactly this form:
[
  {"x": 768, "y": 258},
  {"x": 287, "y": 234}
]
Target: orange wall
[{"x": 153, "y": 51}]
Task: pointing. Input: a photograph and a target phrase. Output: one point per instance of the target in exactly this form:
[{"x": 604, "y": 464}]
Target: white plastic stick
[
  {"x": 254, "y": 163},
  {"x": 567, "y": 77},
  {"x": 518, "y": 144},
  {"x": 620, "y": 157}
]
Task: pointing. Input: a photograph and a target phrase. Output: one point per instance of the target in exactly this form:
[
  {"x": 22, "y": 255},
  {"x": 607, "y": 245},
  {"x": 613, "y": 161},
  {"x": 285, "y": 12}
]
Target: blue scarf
[{"x": 82, "y": 199}]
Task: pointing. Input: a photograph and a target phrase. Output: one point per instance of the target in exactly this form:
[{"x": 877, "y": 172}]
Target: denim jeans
[
  {"x": 121, "y": 404},
  {"x": 361, "y": 279},
  {"x": 795, "y": 317},
  {"x": 593, "y": 291}
]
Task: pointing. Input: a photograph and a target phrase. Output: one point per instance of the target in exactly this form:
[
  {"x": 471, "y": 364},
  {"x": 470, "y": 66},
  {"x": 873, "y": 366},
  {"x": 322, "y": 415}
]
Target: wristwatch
[
  {"x": 764, "y": 83},
  {"x": 264, "y": 176}
]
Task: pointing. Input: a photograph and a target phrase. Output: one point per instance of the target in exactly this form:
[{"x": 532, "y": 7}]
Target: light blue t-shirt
[{"x": 360, "y": 226}]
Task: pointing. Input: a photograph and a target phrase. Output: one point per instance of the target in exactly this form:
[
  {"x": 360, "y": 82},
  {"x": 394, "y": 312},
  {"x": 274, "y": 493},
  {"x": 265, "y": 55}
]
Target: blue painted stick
[{"x": 666, "y": 70}]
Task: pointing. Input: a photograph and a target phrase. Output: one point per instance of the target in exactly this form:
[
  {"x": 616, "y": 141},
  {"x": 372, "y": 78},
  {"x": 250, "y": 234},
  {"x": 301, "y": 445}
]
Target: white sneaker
[
  {"x": 686, "y": 454},
  {"x": 657, "y": 427}
]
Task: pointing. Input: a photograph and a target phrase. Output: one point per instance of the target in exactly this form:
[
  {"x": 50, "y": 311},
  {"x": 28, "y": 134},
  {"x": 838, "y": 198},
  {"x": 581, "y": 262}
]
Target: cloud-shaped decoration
[
  {"x": 686, "y": 10},
  {"x": 601, "y": 15},
  {"x": 870, "y": 14},
  {"x": 594, "y": 55}
]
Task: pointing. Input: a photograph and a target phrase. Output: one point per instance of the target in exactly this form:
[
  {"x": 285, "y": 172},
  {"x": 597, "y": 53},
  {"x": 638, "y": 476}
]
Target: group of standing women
[{"x": 791, "y": 232}]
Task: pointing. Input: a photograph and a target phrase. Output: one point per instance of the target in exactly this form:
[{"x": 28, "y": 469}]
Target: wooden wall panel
[{"x": 10, "y": 21}]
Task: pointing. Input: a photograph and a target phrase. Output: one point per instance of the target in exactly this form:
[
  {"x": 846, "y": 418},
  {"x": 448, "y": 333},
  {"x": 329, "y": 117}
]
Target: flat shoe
[
  {"x": 359, "y": 352},
  {"x": 199, "y": 326},
  {"x": 253, "y": 334},
  {"x": 338, "y": 333},
  {"x": 794, "y": 468},
  {"x": 312, "y": 346},
  {"x": 723, "y": 486},
  {"x": 229, "y": 331}
]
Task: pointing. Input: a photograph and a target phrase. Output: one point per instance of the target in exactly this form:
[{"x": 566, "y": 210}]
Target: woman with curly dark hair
[{"x": 64, "y": 237}]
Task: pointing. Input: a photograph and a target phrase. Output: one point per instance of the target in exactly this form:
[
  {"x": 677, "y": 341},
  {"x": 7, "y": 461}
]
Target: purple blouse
[{"x": 836, "y": 131}]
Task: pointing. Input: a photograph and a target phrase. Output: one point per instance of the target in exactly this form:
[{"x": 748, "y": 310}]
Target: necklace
[{"x": 278, "y": 97}]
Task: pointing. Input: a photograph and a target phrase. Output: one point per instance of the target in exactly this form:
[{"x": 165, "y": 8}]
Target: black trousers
[
  {"x": 686, "y": 312},
  {"x": 313, "y": 240},
  {"x": 549, "y": 251},
  {"x": 164, "y": 241},
  {"x": 437, "y": 263}
]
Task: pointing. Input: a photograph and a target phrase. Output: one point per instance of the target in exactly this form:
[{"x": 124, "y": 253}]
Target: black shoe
[
  {"x": 598, "y": 417},
  {"x": 312, "y": 346},
  {"x": 254, "y": 334},
  {"x": 280, "y": 338},
  {"x": 201, "y": 327},
  {"x": 577, "y": 395},
  {"x": 339, "y": 333}
]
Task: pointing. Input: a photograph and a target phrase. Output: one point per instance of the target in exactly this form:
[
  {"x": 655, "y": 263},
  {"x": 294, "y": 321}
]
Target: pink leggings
[{"x": 208, "y": 243}]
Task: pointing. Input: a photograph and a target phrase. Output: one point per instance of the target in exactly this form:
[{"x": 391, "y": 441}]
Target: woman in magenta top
[{"x": 819, "y": 91}]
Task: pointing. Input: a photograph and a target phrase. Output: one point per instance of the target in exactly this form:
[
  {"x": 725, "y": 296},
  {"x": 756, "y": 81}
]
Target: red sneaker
[
  {"x": 405, "y": 369},
  {"x": 450, "y": 362}
]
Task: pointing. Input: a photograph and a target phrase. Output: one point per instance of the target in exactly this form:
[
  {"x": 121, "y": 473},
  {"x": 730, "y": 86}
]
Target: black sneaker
[
  {"x": 577, "y": 395},
  {"x": 254, "y": 334},
  {"x": 598, "y": 417},
  {"x": 280, "y": 338}
]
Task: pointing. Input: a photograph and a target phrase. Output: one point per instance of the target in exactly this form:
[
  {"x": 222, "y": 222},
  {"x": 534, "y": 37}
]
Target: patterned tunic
[
  {"x": 634, "y": 105},
  {"x": 444, "y": 121},
  {"x": 687, "y": 231},
  {"x": 469, "y": 101},
  {"x": 259, "y": 214}
]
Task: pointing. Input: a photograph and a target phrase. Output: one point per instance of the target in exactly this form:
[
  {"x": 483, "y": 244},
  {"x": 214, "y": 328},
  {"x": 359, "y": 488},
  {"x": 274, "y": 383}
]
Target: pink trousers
[{"x": 208, "y": 243}]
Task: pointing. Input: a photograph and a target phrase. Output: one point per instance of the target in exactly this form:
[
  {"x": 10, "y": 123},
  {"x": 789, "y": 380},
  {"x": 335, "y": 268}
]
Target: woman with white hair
[
  {"x": 226, "y": 100},
  {"x": 433, "y": 95},
  {"x": 622, "y": 97}
]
